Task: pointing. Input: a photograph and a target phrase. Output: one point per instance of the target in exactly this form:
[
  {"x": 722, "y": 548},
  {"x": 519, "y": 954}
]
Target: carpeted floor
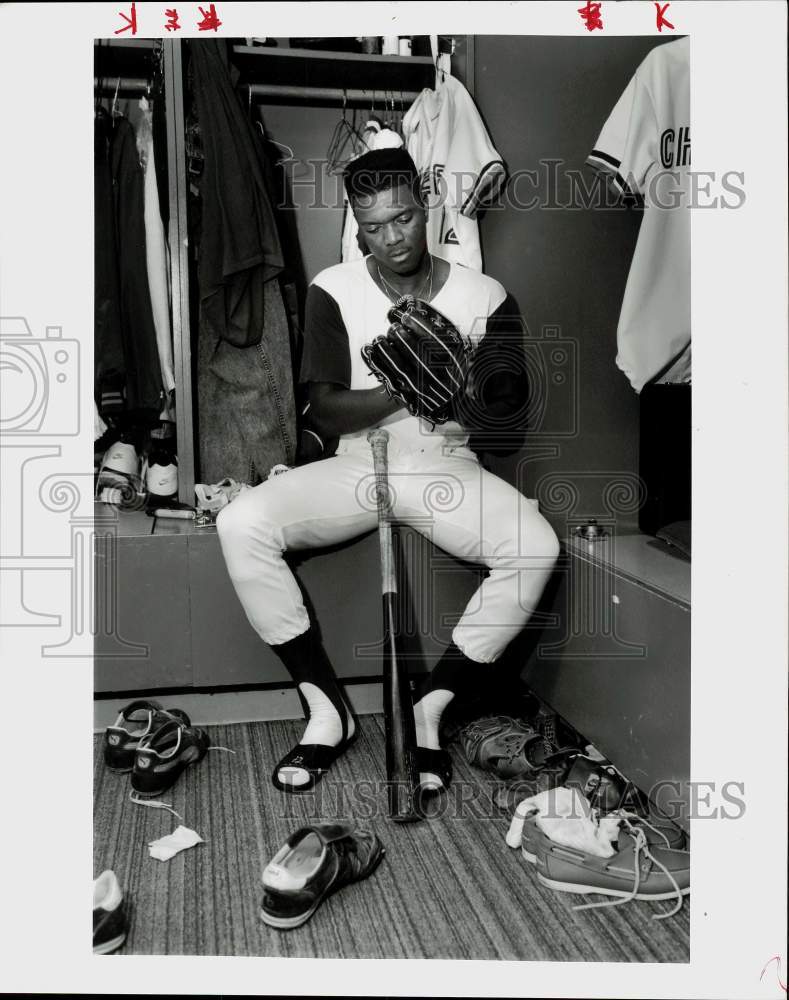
[{"x": 449, "y": 888}]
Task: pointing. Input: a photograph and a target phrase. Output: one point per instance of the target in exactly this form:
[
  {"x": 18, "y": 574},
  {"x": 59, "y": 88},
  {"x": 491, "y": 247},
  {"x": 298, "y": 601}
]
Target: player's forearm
[{"x": 335, "y": 411}]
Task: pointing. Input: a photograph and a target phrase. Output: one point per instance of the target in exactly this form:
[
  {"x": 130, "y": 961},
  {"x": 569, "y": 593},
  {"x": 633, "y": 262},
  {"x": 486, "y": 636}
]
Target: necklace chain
[{"x": 390, "y": 288}]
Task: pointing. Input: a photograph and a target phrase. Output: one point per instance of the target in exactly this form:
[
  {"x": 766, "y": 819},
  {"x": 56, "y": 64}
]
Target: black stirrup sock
[
  {"x": 307, "y": 663},
  {"x": 454, "y": 672}
]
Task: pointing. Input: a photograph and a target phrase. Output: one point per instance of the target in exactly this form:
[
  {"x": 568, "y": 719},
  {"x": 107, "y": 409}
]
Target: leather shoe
[{"x": 315, "y": 861}]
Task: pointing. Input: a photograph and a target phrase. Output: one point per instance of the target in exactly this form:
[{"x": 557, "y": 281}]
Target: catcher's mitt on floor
[{"x": 422, "y": 360}]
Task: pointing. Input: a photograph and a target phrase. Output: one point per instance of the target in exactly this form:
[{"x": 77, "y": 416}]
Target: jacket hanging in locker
[
  {"x": 142, "y": 372},
  {"x": 109, "y": 361},
  {"x": 156, "y": 251},
  {"x": 246, "y": 405},
  {"x": 239, "y": 247}
]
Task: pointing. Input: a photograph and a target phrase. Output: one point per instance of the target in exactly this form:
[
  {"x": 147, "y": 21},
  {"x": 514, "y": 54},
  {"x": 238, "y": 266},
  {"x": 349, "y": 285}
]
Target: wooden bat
[{"x": 402, "y": 772}]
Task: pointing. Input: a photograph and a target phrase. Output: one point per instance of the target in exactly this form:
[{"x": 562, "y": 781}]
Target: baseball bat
[{"x": 402, "y": 772}]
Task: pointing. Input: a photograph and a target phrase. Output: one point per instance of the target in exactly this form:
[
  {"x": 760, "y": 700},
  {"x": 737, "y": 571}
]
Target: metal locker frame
[{"x": 179, "y": 267}]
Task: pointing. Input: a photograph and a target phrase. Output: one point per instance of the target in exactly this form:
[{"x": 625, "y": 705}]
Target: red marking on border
[
  {"x": 590, "y": 14},
  {"x": 661, "y": 18},
  {"x": 131, "y": 21},
  {"x": 777, "y": 959}
]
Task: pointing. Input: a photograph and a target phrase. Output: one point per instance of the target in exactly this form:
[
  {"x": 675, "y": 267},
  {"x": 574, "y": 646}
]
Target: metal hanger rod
[
  {"x": 319, "y": 93},
  {"x": 107, "y": 84}
]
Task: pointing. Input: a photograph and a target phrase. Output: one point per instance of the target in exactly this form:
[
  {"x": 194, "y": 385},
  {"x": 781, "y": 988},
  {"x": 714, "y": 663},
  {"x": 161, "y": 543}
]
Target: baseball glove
[
  {"x": 508, "y": 747},
  {"x": 422, "y": 360}
]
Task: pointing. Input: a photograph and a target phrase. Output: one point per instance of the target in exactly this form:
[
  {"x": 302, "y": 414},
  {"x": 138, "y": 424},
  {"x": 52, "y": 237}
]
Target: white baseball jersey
[
  {"x": 346, "y": 309},
  {"x": 458, "y": 165},
  {"x": 645, "y": 146}
]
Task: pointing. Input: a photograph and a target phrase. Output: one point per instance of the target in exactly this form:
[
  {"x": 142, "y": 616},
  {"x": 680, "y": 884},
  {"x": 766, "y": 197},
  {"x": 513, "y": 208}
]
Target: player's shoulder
[
  {"x": 339, "y": 277},
  {"x": 665, "y": 57},
  {"x": 479, "y": 285}
]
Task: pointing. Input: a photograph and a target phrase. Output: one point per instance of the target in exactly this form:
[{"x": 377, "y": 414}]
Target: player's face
[{"x": 392, "y": 224}]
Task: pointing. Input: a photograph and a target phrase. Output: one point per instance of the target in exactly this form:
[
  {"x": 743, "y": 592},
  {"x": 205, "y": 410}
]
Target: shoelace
[
  {"x": 516, "y": 745},
  {"x": 349, "y": 850},
  {"x": 151, "y": 804},
  {"x": 154, "y": 805},
  {"x": 641, "y": 846}
]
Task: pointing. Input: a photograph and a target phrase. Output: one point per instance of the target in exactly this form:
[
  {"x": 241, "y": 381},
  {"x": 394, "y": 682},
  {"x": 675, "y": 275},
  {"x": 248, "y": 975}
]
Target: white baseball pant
[{"x": 447, "y": 496}]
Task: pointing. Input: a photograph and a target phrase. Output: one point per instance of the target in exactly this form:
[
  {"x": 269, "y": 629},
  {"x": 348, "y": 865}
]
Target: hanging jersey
[
  {"x": 346, "y": 309},
  {"x": 458, "y": 165},
  {"x": 645, "y": 147}
]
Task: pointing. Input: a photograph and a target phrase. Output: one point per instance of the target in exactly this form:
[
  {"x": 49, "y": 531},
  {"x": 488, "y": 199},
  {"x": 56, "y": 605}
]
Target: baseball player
[{"x": 438, "y": 485}]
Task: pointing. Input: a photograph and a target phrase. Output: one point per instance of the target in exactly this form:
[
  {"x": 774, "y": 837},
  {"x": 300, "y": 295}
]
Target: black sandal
[
  {"x": 436, "y": 762},
  {"x": 314, "y": 758}
]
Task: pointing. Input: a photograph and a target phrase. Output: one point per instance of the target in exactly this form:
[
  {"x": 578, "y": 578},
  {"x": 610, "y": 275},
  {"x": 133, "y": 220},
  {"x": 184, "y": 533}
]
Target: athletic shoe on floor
[
  {"x": 316, "y": 861},
  {"x": 161, "y": 473},
  {"x": 508, "y": 747},
  {"x": 638, "y": 870},
  {"x": 137, "y": 720},
  {"x": 163, "y": 755},
  {"x": 109, "y": 918}
]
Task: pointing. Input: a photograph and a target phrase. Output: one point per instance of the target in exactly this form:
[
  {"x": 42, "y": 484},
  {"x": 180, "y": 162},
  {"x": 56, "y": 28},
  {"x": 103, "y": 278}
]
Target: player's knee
[
  {"x": 550, "y": 544},
  {"x": 541, "y": 541},
  {"x": 234, "y": 523},
  {"x": 249, "y": 521}
]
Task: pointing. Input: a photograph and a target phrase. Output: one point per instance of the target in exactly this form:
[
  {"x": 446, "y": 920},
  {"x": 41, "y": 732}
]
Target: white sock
[
  {"x": 324, "y": 726},
  {"x": 427, "y": 718}
]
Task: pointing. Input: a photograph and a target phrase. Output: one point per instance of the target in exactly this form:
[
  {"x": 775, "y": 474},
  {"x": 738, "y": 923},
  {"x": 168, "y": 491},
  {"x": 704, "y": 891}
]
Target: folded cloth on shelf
[{"x": 215, "y": 496}]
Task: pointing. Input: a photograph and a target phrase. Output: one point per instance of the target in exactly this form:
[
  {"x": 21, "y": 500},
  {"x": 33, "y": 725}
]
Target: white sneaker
[
  {"x": 161, "y": 474},
  {"x": 109, "y": 918},
  {"x": 120, "y": 466}
]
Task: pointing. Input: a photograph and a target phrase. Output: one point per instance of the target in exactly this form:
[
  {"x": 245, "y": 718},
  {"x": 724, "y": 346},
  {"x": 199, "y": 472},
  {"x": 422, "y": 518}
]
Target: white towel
[
  {"x": 179, "y": 840},
  {"x": 564, "y": 815}
]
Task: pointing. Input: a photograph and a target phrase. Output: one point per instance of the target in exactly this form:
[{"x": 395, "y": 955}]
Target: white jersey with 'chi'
[{"x": 645, "y": 146}]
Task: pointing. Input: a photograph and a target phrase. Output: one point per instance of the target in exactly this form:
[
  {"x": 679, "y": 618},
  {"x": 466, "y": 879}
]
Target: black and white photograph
[{"x": 399, "y": 615}]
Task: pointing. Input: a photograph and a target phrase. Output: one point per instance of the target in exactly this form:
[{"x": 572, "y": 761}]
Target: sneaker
[
  {"x": 638, "y": 870},
  {"x": 161, "y": 474},
  {"x": 163, "y": 755},
  {"x": 109, "y": 918},
  {"x": 316, "y": 861},
  {"x": 136, "y": 720},
  {"x": 119, "y": 466}
]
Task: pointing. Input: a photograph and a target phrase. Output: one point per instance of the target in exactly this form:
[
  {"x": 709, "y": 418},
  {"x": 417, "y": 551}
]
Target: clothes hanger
[
  {"x": 345, "y": 142},
  {"x": 374, "y": 119},
  {"x": 114, "y": 112},
  {"x": 289, "y": 157}
]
